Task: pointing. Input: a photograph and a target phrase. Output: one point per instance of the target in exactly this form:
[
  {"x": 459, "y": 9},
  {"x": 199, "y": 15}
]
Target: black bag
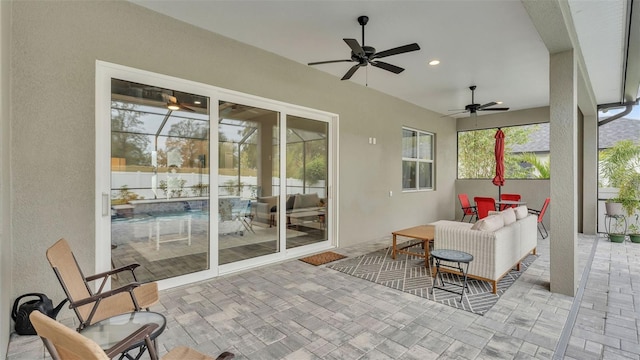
[{"x": 21, "y": 315}]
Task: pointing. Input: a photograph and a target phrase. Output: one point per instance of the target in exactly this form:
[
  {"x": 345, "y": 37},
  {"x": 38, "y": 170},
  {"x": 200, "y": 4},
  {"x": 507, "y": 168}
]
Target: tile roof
[{"x": 620, "y": 129}]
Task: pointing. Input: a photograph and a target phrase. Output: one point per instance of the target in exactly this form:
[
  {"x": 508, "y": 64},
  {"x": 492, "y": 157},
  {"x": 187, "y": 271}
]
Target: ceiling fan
[
  {"x": 173, "y": 104},
  {"x": 473, "y": 108},
  {"x": 365, "y": 55}
]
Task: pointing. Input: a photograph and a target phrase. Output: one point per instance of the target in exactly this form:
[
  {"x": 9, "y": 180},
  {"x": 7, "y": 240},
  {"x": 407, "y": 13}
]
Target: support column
[
  {"x": 563, "y": 106},
  {"x": 590, "y": 176}
]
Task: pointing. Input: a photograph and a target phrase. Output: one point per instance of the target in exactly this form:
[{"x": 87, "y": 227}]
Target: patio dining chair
[
  {"x": 510, "y": 197},
  {"x": 90, "y": 306},
  {"x": 65, "y": 344},
  {"x": 467, "y": 208},
  {"x": 540, "y": 213},
  {"x": 484, "y": 205},
  {"x": 245, "y": 216}
]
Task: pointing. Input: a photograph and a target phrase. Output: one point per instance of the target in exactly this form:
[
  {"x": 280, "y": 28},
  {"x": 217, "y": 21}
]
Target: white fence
[{"x": 142, "y": 183}]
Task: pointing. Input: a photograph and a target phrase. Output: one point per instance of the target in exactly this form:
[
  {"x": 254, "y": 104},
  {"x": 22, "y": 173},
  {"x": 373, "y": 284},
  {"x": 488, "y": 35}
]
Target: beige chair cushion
[{"x": 67, "y": 342}]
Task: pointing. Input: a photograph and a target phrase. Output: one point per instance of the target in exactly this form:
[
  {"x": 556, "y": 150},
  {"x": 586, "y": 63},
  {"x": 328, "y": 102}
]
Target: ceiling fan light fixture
[
  {"x": 173, "y": 106},
  {"x": 434, "y": 62}
]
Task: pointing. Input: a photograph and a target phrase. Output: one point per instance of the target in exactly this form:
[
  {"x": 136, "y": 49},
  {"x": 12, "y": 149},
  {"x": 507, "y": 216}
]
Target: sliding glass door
[
  {"x": 307, "y": 174},
  {"x": 248, "y": 179},
  {"x": 159, "y": 180},
  {"x": 269, "y": 198}
]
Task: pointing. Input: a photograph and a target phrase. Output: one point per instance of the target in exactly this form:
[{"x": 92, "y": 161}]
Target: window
[
  {"x": 526, "y": 152},
  {"x": 417, "y": 160}
]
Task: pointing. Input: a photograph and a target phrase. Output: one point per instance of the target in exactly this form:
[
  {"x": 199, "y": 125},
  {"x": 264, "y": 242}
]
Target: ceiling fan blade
[
  {"x": 456, "y": 113},
  {"x": 386, "y": 66},
  {"x": 355, "y": 46},
  {"x": 486, "y": 105},
  {"x": 395, "y": 51},
  {"x": 351, "y": 71},
  {"x": 495, "y": 109},
  {"x": 328, "y": 62}
]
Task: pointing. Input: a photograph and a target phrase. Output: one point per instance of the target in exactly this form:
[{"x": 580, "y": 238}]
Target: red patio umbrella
[{"x": 498, "y": 180}]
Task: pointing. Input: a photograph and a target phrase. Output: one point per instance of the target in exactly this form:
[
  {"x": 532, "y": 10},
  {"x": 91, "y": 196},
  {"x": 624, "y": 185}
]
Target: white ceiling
[{"x": 491, "y": 44}]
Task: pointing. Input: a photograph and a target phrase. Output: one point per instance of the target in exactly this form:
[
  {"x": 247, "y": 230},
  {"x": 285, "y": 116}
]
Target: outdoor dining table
[{"x": 511, "y": 202}]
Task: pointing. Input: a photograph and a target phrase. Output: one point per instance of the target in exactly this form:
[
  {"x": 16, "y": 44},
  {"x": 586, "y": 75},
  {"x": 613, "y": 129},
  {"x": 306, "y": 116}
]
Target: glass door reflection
[
  {"x": 307, "y": 174},
  {"x": 159, "y": 180},
  {"x": 248, "y": 182}
]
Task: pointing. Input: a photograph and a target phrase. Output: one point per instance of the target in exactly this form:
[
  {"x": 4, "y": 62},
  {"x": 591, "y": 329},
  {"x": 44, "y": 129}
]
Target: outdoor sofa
[
  {"x": 498, "y": 242},
  {"x": 301, "y": 208}
]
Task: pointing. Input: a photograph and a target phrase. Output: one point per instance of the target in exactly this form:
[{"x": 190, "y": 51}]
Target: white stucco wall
[
  {"x": 5, "y": 218},
  {"x": 55, "y": 47}
]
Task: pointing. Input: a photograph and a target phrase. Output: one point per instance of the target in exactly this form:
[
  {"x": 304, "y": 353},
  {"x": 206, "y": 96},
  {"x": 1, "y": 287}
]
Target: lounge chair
[
  {"x": 65, "y": 344},
  {"x": 90, "y": 306}
]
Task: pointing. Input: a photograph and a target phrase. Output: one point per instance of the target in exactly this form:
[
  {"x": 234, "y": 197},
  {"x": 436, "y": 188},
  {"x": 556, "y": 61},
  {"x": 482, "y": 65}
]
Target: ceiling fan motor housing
[{"x": 368, "y": 52}]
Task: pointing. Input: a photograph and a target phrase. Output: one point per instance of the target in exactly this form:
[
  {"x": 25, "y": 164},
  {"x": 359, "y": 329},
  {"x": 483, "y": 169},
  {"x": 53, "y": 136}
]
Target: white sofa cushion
[
  {"x": 508, "y": 215},
  {"x": 521, "y": 212},
  {"x": 490, "y": 223}
]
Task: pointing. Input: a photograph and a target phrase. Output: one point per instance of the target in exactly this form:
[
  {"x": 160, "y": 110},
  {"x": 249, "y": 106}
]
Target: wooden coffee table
[{"x": 424, "y": 233}]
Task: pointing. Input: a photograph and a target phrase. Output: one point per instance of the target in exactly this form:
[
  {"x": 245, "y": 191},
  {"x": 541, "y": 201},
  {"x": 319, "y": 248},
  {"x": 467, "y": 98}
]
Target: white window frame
[{"x": 418, "y": 160}]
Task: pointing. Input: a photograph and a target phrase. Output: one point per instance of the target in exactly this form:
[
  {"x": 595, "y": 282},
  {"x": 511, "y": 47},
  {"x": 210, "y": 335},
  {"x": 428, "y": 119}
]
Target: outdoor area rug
[
  {"x": 322, "y": 258},
  {"x": 408, "y": 273}
]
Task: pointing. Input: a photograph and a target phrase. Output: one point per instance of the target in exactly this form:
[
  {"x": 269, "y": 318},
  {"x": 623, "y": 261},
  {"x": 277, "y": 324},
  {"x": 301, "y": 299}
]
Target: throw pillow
[
  {"x": 490, "y": 223},
  {"x": 521, "y": 212},
  {"x": 509, "y": 216},
  {"x": 290, "y": 200},
  {"x": 477, "y": 225}
]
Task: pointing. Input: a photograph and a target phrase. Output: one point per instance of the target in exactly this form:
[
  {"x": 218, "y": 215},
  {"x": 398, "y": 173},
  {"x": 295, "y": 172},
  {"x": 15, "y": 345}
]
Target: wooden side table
[{"x": 425, "y": 233}]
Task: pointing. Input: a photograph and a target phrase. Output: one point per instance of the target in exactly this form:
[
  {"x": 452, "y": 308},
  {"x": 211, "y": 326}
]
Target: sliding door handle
[{"x": 105, "y": 204}]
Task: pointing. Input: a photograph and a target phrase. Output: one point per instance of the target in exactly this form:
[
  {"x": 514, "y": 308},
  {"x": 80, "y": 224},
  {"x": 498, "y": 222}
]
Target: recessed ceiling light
[
  {"x": 499, "y": 102},
  {"x": 434, "y": 62},
  {"x": 197, "y": 102}
]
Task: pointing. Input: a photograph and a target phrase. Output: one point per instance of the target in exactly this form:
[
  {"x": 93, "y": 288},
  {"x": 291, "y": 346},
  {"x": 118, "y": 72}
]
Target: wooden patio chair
[
  {"x": 467, "y": 208},
  {"x": 65, "y": 344},
  {"x": 484, "y": 205},
  {"x": 540, "y": 213},
  {"x": 89, "y": 306}
]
